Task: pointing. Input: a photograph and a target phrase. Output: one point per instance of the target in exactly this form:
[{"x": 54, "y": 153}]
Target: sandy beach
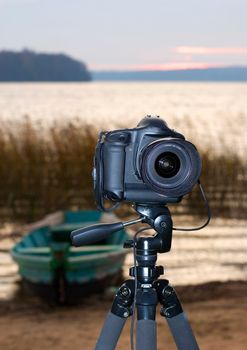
[{"x": 217, "y": 312}]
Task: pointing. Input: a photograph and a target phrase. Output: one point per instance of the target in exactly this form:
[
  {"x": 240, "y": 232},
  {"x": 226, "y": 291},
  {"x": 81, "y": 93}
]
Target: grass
[{"x": 44, "y": 172}]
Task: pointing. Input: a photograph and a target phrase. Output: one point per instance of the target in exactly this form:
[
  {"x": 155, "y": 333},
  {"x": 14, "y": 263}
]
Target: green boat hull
[{"x": 55, "y": 270}]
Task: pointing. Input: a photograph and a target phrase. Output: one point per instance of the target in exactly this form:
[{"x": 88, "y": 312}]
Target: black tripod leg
[
  {"x": 110, "y": 332},
  {"x": 182, "y": 332},
  {"x": 116, "y": 318},
  {"x": 176, "y": 317},
  {"x": 146, "y": 335}
]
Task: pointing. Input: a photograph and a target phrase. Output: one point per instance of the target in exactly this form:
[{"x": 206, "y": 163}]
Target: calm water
[{"x": 211, "y": 114}]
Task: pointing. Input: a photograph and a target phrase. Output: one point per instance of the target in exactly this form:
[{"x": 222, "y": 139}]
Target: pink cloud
[
  {"x": 153, "y": 67},
  {"x": 202, "y": 50}
]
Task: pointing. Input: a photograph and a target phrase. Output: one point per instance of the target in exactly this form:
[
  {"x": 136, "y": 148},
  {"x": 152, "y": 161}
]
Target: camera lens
[
  {"x": 167, "y": 164},
  {"x": 170, "y": 167}
]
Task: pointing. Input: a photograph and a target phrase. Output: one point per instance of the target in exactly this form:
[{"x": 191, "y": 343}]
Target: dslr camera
[{"x": 149, "y": 164}]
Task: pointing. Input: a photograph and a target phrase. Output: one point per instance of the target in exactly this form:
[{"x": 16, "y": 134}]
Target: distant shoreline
[
  {"x": 226, "y": 74},
  {"x": 29, "y": 66},
  {"x": 124, "y": 82}
]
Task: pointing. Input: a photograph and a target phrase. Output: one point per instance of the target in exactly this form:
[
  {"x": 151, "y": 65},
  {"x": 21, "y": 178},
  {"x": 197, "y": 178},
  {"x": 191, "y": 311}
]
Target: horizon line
[{"x": 161, "y": 68}]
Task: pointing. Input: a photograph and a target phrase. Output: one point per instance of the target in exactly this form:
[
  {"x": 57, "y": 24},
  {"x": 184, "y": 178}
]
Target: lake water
[{"x": 210, "y": 114}]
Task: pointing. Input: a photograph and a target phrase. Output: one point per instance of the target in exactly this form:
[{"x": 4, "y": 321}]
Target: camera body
[{"x": 149, "y": 164}]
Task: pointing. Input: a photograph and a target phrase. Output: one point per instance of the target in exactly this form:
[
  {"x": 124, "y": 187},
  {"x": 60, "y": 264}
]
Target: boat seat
[{"x": 61, "y": 233}]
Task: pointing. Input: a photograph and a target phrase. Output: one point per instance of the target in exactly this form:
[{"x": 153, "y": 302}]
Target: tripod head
[
  {"x": 146, "y": 248},
  {"x": 157, "y": 217}
]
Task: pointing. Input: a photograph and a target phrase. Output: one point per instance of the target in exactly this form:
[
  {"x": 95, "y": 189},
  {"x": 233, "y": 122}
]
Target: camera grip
[
  {"x": 94, "y": 233},
  {"x": 114, "y": 165}
]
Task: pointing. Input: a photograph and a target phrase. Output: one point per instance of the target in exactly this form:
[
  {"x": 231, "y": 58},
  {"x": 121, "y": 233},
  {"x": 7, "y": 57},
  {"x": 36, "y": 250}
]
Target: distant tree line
[{"x": 30, "y": 66}]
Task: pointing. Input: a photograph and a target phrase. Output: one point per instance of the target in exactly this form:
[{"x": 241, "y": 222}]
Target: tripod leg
[
  {"x": 176, "y": 317},
  {"x": 116, "y": 318},
  {"x": 146, "y": 335},
  {"x": 110, "y": 332},
  {"x": 182, "y": 332}
]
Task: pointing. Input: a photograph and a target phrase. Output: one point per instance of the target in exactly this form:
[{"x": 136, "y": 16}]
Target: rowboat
[{"x": 55, "y": 270}]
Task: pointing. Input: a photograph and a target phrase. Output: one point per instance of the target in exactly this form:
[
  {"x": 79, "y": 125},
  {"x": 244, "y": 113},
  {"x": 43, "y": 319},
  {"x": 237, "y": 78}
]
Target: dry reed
[{"x": 41, "y": 173}]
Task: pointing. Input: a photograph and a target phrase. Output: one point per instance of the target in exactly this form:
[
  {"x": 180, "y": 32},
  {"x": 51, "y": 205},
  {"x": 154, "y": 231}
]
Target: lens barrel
[{"x": 171, "y": 166}]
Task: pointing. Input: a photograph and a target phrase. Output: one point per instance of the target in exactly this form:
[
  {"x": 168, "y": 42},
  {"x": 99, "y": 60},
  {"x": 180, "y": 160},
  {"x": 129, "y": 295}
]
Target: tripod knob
[{"x": 163, "y": 226}]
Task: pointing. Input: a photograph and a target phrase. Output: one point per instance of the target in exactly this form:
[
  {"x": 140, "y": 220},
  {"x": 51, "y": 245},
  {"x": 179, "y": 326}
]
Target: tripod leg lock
[
  {"x": 122, "y": 304},
  {"x": 168, "y": 298}
]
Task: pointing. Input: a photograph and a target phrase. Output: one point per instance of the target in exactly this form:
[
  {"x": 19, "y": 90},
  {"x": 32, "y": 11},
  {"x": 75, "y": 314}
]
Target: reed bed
[{"x": 44, "y": 172}]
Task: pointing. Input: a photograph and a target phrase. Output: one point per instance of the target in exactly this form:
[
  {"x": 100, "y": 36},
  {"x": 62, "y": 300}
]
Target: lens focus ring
[{"x": 170, "y": 167}]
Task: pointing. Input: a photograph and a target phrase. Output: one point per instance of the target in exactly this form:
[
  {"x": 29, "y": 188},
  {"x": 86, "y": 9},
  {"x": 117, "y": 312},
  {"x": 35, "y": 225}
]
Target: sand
[{"x": 217, "y": 312}]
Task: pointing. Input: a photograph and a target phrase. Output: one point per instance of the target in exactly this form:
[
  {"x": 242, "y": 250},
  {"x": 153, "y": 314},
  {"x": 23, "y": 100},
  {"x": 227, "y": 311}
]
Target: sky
[{"x": 130, "y": 34}]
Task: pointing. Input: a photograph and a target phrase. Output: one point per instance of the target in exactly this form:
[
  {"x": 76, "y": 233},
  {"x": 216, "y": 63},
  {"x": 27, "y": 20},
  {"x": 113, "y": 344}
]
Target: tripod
[{"x": 146, "y": 289}]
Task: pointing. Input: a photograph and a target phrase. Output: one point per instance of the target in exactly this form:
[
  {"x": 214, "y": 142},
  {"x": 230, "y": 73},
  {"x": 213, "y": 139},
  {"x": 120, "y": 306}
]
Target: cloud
[
  {"x": 152, "y": 67},
  {"x": 203, "y": 50}
]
